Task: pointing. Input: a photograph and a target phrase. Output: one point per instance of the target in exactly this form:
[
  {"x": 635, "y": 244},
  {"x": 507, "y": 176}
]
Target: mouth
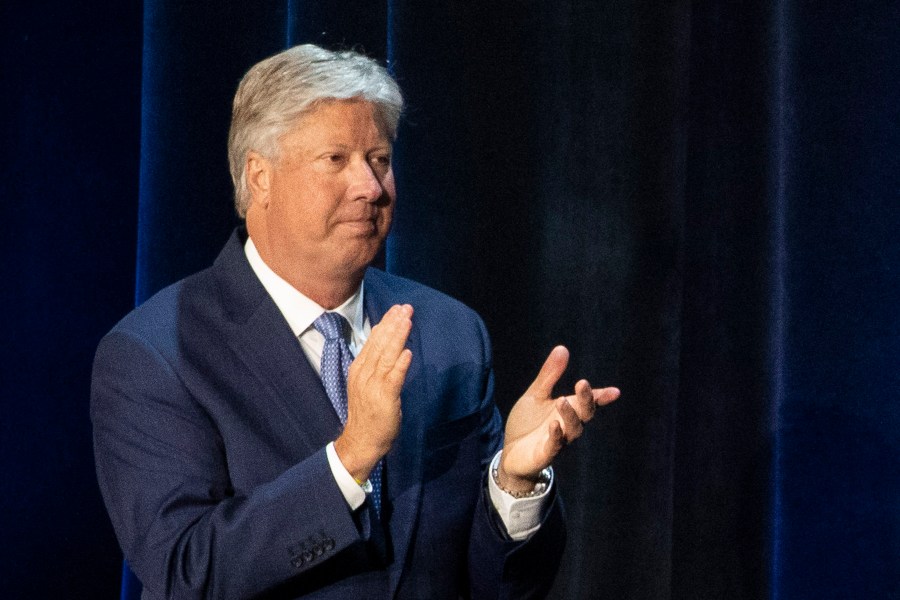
[{"x": 361, "y": 226}]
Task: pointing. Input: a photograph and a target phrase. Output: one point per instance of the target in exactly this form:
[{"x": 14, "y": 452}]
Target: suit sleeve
[
  {"x": 162, "y": 469},
  {"x": 498, "y": 566}
]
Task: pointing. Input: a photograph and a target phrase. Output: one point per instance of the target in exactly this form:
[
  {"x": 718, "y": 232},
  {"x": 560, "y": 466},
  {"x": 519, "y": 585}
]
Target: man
[{"x": 237, "y": 453}]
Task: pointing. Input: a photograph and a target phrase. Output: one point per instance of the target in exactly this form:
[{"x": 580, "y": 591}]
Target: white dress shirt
[{"x": 521, "y": 516}]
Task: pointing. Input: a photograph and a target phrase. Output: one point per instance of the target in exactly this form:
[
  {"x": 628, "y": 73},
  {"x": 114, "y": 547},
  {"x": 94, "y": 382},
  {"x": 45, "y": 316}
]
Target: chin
[{"x": 356, "y": 260}]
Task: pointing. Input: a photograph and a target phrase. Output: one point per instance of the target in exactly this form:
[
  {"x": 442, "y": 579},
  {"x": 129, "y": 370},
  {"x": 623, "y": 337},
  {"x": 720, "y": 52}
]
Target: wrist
[
  {"x": 520, "y": 486},
  {"x": 358, "y": 463}
]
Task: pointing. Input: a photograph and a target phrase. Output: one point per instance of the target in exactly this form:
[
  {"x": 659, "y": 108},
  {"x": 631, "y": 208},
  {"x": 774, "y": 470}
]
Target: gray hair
[{"x": 282, "y": 88}]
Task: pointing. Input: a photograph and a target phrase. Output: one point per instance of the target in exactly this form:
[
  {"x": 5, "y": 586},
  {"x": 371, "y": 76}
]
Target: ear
[{"x": 259, "y": 174}]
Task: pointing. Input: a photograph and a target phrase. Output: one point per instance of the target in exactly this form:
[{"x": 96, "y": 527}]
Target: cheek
[{"x": 310, "y": 203}]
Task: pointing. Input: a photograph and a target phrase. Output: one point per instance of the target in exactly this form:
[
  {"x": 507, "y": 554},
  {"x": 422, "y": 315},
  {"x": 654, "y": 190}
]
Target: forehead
[{"x": 340, "y": 122}]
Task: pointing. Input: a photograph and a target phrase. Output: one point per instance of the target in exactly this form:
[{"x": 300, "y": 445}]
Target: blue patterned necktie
[{"x": 336, "y": 359}]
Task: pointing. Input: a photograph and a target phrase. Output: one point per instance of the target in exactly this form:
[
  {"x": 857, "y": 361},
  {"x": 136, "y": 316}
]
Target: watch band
[{"x": 539, "y": 487}]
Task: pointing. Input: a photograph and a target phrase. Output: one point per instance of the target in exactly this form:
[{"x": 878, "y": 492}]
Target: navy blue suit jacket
[{"x": 209, "y": 432}]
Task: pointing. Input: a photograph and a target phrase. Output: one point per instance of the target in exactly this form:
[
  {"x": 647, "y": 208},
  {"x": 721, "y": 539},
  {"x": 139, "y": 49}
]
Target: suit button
[
  {"x": 297, "y": 561},
  {"x": 318, "y": 550},
  {"x": 329, "y": 544},
  {"x": 307, "y": 556}
]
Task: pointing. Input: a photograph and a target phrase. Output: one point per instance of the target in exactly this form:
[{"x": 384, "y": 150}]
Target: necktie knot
[{"x": 331, "y": 325}]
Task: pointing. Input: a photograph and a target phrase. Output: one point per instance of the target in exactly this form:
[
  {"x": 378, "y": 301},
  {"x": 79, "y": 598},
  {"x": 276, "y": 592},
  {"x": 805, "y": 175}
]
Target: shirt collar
[{"x": 299, "y": 310}]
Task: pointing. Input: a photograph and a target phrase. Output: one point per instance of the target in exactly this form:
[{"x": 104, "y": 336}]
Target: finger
[
  {"x": 556, "y": 441},
  {"x": 397, "y": 376},
  {"x": 393, "y": 339},
  {"x": 550, "y": 372},
  {"x": 604, "y": 396},
  {"x": 583, "y": 401},
  {"x": 568, "y": 418},
  {"x": 387, "y": 338},
  {"x": 372, "y": 364},
  {"x": 375, "y": 340}
]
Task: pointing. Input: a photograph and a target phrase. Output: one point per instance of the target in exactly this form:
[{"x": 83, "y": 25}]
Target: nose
[{"x": 365, "y": 184}]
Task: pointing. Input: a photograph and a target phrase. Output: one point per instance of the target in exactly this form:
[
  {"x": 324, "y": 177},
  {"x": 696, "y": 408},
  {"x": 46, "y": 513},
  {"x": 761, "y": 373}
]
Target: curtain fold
[
  {"x": 700, "y": 199},
  {"x": 678, "y": 193}
]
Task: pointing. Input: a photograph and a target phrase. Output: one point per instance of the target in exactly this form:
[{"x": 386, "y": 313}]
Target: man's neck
[
  {"x": 328, "y": 290},
  {"x": 328, "y": 295}
]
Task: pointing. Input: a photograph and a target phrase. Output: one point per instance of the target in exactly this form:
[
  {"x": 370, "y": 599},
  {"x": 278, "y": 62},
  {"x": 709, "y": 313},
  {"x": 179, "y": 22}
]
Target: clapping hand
[{"x": 539, "y": 426}]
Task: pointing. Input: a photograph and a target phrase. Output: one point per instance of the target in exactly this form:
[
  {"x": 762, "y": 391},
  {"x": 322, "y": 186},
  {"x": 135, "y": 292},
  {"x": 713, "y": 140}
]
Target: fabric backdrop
[{"x": 700, "y": 199}]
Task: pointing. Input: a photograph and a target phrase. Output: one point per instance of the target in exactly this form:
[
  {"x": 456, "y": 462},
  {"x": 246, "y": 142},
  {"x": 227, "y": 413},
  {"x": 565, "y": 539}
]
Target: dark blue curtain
[
  {"x": 700, "y": 199},
  {"x": 70, "y": 83}
]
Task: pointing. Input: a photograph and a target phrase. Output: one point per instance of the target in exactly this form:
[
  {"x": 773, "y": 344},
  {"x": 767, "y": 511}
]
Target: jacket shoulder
[
  {"x": 401, "y": 287},
  {"x": 441, "y": 319}
]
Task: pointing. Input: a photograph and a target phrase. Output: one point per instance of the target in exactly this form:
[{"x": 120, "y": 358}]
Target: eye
[
  {"x": 333, "y": 161},
  {"x": 381, "y": 161}
]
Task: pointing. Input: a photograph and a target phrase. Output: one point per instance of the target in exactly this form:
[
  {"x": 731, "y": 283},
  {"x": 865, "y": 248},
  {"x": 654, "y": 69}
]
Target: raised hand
[
  {"x": 374, "y": 383},
  {"x": 540, "y": 426}
]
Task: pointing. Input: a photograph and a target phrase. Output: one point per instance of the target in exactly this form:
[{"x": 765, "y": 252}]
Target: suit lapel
[
  {"x": 403, "y": 464},
  {"x": 261, "y": 337}
]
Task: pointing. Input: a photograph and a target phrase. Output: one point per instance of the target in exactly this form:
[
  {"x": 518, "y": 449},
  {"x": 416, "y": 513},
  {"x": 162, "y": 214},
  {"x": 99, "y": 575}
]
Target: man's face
[{"x": 330, "y": 194}]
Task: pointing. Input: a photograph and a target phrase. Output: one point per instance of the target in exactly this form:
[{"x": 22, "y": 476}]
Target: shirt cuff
[
  {"x": 352, "y": 491},
  {"x": 520, "y": 516}
]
